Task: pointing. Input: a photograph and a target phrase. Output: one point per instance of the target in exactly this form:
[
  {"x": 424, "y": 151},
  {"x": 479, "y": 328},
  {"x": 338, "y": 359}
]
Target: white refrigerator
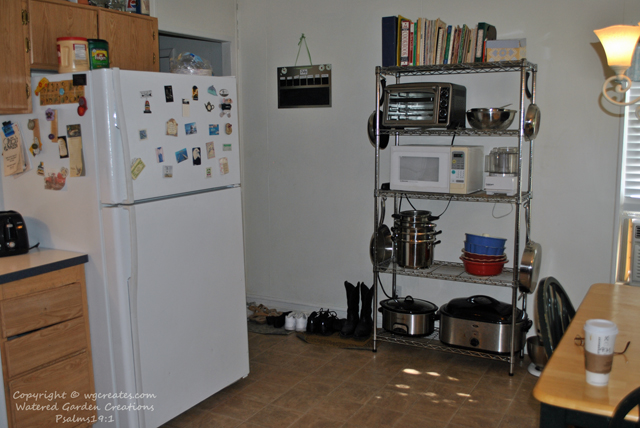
[{"x": 150, "y": 190}]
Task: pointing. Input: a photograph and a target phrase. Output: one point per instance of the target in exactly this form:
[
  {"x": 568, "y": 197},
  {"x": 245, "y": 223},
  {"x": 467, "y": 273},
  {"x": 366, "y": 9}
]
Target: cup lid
[{"x": 598, "y": 326}]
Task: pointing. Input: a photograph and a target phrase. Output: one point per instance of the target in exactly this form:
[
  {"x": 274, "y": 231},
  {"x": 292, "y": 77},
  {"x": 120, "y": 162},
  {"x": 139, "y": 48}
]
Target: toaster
[{"x": 13, "y": 234}]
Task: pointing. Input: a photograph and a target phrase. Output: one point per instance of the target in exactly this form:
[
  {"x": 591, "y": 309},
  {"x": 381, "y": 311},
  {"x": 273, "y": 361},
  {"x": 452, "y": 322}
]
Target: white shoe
[
  {"x": 290, "y": 322},
  {"x": 301, "y": 322}
]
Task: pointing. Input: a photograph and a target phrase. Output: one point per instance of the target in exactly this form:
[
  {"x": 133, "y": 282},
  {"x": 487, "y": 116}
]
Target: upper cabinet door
[
  {"x": 14, "y": 61},
  {"x": 53, "y": 19},
  {"x": 133, "y": 40}
]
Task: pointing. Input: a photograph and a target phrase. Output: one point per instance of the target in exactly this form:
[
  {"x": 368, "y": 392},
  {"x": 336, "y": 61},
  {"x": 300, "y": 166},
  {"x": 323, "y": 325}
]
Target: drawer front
[
  {"x": 41, "y": 310},
  {"x": 64, "y": 379},
  {"x": 43, "y": 282},
  {"x": 45, "y": 346}
]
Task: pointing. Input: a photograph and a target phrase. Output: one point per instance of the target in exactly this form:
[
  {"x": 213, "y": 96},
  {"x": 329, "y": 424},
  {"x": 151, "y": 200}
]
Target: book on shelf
[
  {"x": 485, "y": 32},
  {"x": 404, "y": 34},
  {"x": 440, "y": 26},
  {"x": 411, "y": 44},
  {"x": 433, "y": 42},
  {"x": 389, "y": 40},
  {"x": 448, "y": 46}
]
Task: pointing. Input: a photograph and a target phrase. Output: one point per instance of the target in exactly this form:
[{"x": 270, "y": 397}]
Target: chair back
[
  {"x": 623, "y": 408},
  {"x": 554, "y": 311}
]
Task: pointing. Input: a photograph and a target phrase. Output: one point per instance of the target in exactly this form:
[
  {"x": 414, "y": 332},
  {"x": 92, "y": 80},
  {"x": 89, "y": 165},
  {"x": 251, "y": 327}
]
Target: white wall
[
  {"x": 308, "y": 173},
  {"x": 206, "y": 19}
]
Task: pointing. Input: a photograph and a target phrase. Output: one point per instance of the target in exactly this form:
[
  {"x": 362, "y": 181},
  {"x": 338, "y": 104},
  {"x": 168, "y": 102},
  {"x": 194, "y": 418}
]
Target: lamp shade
[{"x": 619, "y": 43}]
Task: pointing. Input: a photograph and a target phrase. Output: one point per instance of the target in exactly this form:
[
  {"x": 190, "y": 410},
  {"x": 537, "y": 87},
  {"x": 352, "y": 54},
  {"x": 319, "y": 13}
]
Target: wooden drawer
[
  {"x": 43, "y": 282},
  {"x": 40, "y": 310},
  {"x": 66, "y": 377},
  {"x": 44, "y": 346}
]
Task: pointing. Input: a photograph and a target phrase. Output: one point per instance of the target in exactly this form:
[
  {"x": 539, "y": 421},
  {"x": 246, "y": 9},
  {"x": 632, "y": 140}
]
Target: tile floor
[{"x": 300, "y": 385}]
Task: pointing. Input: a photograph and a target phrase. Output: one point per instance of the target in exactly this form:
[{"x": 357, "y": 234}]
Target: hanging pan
[
  {"x": 531, "y": 260},
  {"x": 381, "y": 250},
  {"x": 532, "y": 122},
  {"x": 371, "y": 124},
  {"x": 371, "y": 130}
]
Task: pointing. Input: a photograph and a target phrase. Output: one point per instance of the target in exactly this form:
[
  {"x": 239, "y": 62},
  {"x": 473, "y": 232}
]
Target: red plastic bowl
[
  {"x": 484, "y": 257},
  {"x": 480, "y": 268}
]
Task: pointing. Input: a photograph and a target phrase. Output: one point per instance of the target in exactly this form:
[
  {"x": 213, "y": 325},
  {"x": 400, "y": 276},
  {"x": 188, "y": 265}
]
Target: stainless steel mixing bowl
[
  {"x": 535, "y": 349},
  {"x": 497, "y": 119}
]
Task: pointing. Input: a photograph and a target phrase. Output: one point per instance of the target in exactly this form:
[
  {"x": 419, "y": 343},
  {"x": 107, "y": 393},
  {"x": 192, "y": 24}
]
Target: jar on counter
[
  {"x": 73, "y": 54},
  {"x": 98, "y": 53}
]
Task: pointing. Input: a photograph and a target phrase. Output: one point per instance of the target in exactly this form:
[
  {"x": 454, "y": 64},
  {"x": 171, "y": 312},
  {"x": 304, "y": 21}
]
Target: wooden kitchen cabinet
[
  {"x": 15, "y": 79},
  {"x": 29, "y": 30},
  {"x": 45, "y": 341},
  {"x": 133, "y": 40},
  {"x": 50, "y": 20}
]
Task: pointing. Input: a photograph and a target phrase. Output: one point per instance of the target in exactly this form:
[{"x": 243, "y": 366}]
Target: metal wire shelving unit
[{"x": 445, "y": 270}]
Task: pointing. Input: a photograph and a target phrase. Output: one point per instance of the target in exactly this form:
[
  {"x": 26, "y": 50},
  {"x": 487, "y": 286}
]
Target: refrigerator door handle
[
  {"x": 121, "y": 125},
  {"x": 133, "y": 310}
]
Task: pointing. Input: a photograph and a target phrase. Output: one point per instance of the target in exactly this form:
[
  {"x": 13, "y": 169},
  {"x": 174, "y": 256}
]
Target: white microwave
[{"x": 438, "y": 169}]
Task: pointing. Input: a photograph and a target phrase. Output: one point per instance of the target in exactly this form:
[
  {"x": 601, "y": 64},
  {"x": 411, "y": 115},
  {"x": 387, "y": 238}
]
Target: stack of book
[{"x": 432, "y": 42}]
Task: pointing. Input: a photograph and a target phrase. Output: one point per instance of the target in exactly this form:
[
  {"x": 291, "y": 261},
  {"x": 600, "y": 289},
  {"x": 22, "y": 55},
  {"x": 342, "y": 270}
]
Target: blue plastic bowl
[
  {"x": 483, "y": 249},
  {"x": 486, "y": 241}
]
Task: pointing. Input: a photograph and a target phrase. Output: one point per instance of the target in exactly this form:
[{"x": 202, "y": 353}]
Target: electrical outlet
[{"x": 399, "y": 290}]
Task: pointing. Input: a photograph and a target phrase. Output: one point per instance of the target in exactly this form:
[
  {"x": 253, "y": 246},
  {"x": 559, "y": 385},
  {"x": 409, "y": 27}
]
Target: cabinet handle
[
  {"x": 154, "y": 35},
  {"x": 25, "y": 17},
  {"x": 28, "y": 90},
  {"x": 154, "y": 58},
  {"x": 27, "y": 44}
]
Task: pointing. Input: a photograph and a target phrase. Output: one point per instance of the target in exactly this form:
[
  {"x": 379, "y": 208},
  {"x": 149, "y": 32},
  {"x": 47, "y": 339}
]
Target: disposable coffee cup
[{"x": 599, "y": 340}]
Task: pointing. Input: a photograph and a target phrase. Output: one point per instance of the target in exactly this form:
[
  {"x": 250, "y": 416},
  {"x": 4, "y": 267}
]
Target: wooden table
[{"x": 566, "y": 397}]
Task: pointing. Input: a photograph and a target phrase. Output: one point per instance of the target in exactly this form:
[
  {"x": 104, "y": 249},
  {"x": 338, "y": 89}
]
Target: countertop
[{"x": 37, "y": 262}]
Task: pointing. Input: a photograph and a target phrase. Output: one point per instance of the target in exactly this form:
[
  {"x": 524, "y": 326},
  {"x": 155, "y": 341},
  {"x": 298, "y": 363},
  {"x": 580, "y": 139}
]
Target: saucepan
[
  {"x": 381, "y": 250},
  {"x": 531, "y": 259}
]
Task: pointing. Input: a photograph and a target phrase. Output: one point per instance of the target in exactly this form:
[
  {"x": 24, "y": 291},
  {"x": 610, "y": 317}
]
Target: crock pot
[
  {"x": 408, "y": 316},
  {"x": 482, "y": 323}
]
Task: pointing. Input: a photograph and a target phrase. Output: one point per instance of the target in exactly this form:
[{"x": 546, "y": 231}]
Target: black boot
[
  {"x": 365, "y": 324},
  {"x": 353, "y": 299}
]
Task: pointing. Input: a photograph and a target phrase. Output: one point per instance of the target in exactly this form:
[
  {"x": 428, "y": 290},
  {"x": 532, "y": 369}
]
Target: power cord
[{"x": 382, "y": 286}]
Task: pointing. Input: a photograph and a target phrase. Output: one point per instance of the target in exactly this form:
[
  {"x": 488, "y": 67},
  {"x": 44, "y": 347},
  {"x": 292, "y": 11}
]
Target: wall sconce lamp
[{"x": 619, "y": 43}]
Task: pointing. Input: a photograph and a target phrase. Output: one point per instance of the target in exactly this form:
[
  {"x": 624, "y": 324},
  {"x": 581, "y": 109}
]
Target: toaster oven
[
  {"x": 424, "y": 105},
  {"x": 13, "y": 234}
]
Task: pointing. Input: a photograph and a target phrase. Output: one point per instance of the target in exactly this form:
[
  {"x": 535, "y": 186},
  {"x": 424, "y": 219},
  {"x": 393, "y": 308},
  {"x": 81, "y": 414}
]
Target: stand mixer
[{"x": 502, "y": 165}]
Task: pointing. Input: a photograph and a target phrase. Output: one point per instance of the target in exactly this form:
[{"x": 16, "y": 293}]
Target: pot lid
[
  {"x": 408, "y": 305},
  {"x": 480, "y": 308}
]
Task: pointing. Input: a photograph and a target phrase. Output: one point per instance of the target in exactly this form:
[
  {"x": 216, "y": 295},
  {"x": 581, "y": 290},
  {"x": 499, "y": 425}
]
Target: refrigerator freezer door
[
  {"x": 189, "y": 300},
  {"x": 168, "y": 133}
]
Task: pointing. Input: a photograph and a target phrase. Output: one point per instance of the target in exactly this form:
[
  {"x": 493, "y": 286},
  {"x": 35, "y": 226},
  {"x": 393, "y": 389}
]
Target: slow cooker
[
  {"x": 482, "y": 323},
  {"x": 408, "y": 316}
]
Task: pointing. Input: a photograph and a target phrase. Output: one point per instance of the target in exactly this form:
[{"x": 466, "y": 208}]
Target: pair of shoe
[
  {"x": 324, "y": 322},
  {"x": 263, "y": 315},
  {"x": 277, "y": 319},
  {"x": 295, "y": 321},
  {"x": 358, "y": 326}
]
